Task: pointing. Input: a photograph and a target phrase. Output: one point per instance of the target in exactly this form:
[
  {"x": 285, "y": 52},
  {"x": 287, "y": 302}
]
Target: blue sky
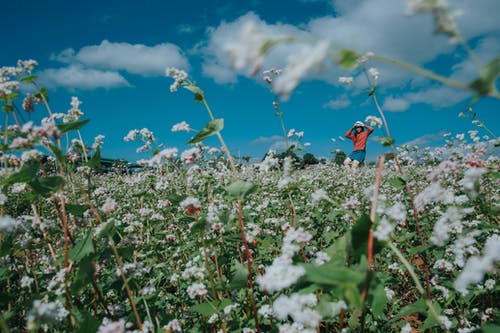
[{"x": 112, "y": 55}]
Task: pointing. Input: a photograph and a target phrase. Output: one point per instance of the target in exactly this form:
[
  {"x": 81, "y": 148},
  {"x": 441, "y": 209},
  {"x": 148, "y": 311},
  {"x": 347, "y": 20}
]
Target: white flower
[
  {"x": 280, "y": 275},
  {"x": 406, "y": 329},
  {"x": 108, "y": 326},
  {"x": 374, "y": 121},
  {"x": 471, "y": 176},
  {"x": 8, "y": 224},
  {"x": 445, "y": 322},
  {"x": 299, "y": 308},
  {"x": 477, "y": 266},
  {"x": 298, "y": 66},
  {"x": 26, "y": 281},
  {"x": 131, "y": 136},
  {"x": 174, "y": 326},
  {"x": 397, "y": 212},
  {"x": 389, "y": 293},
  {"x": 178, "y": 75},
  {"x": 109, "y": 206},
  {"x": 346, "y": 79},
  {"x": 321, "y": 258},
  {"x": 374, "y": 73},
  {"x": 190, "y": 202},
  {"x": 197, "y": 289},
  {"x": 318, "y": 196},
  {"x": 182, "y": 126},
  {"x": 383, "y": 230},
  {"x": 245, "y": 50}
]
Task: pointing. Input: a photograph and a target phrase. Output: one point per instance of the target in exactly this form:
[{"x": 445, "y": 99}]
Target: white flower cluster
[
  {"x": 178, "y": 75},
  {"x": 190, "y": 202},
  {"x": 173, "y": 326},
  {"x": 44, "y": 312},
  {"x": 374, "y": 121},
  {"x": 74, "y": 113},
  {"x": 7, "y": 85},
  {"x": 269, "y": 162},
  {"x": 346, "y": 80},
  {"x": 182, "y": 126},
  {"x": 8, "y": 224},
  {"x": 108, "y": 326},
  {"x": 160, "y": 158},
  {"x": 299, "y": 308},
  {"x": 477, "y": 266},
  {"x": 318, "y": 196},
  {"x": 197, "y": 289},
  {"x": 298, "y": 65},
  {"x": 282, "y": 273}
]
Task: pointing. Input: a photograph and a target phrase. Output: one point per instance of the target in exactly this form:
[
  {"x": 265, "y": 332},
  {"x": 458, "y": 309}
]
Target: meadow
[{"x": 195, "y": 242}]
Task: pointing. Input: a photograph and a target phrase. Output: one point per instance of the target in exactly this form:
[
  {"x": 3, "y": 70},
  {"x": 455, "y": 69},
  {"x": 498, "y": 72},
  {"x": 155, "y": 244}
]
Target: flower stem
[
  {"x": 414, "y": 276},
  {"x": 124, "y": 279}
]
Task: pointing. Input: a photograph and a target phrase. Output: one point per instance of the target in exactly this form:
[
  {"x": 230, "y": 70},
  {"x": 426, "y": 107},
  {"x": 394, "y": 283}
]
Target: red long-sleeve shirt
[{"x": 359, "y": 139}]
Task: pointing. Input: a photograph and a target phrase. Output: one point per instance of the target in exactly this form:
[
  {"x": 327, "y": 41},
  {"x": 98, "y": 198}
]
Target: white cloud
[
  {"x": 266, "y": 139},
  {"x": 395, "y": 104},
  {"x": 77, "y": 77},
  {"x": 133, "y": 58},
  {"x": 217, "y": 62},
  {"x": 381, "y": 26},
  {"x": 438, "y": 97},
  {"x": 339, "y": 103},
  {"x": 428, "y": 140}
]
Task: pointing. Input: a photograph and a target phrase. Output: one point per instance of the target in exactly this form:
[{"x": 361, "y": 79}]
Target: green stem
[
  {"x": 221, "y": 140},
  {"x": 83, "y": 146},
  {"x": 414, "y": 276},
  {"x": 124, "y": 279}
]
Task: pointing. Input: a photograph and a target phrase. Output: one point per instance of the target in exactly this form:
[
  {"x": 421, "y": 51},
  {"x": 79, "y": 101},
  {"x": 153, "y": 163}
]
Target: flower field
[
  {"x": 182, "y": 246},
  {"x": 192, "y": 241}
]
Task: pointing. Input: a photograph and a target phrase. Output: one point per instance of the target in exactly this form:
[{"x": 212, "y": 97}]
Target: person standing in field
[{"x": 358, "y": 133}]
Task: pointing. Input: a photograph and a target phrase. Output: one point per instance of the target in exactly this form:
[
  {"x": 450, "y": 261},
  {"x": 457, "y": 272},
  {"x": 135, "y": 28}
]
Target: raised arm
[
  {"x": 369, "y": 128},
  {"x": 349, "y": 134}
]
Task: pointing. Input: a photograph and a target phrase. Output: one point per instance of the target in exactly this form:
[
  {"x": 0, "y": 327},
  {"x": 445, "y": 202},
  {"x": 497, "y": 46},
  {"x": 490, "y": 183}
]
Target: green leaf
[
  {"x": 397, "y": 182},
  {"x": 46, "y": 185},
  {"x": 240, "y": 189},
  {"x": 379, "y": 301},
  {"x": 29, "y": 78},
  {"x": 25, "y": 174},
  {"x": 490, "y": 328},
  {"x": 199, "y": 226},
  {"x": 199, "y": 95},
  {"x": 95, "y": 161},
  {"x": 7, "y": 108},
  {"x": 74, "y": 125},
  {"x": 431, "y": 321},
  {"x": 42, "y": 92},
  {"x": 206, "y": 308},
  {"x": 359, "y": 238},
  {"x": 386, "y": 141},
  {"x": 488, "y": 74},
  {"x": 83, "y": 248},
  {"x": 84, "y": 275},
  {"x": 212, "y": 127},
  {"x": 335, "y": 275},
  {"x": 106, "y": 230},
  {"x": 417, "y": 307},
  {"x": 76, "y": 210},
  {"x": 239, "y": 278},
  {"x": 59, "y": 155},
  {"x": 89, "y": 324},
  {"x": 348, "y": 59}
]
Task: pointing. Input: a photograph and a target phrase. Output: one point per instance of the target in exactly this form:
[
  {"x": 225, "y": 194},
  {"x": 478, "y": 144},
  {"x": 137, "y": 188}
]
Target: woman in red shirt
[{"x": 358, "y": 135}]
